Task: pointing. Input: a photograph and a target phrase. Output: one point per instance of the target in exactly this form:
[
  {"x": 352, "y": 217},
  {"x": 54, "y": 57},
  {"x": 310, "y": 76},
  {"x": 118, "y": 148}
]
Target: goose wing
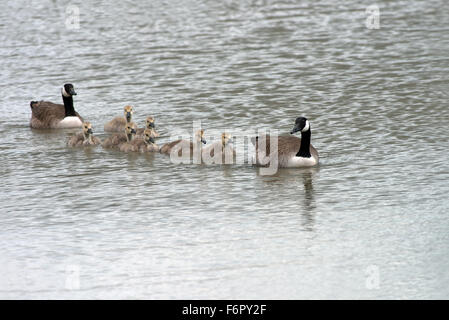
[
  {"x": 43, "y": 110},
  {"x": 286, "y": 144}
]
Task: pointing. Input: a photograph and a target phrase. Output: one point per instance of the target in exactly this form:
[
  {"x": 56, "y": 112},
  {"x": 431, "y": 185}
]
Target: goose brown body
[
  {"x": 47, "y": 115},
  {"x": 288, "y": 147}
]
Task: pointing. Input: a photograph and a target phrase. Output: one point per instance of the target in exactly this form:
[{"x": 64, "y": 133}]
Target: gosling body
[
  {"x": 118, "y": 124},
  {"x": 149, "y": 124},
  {"x": 139, "y": 144},
  {"x": 116, "y": 140},
  {"x": 178, "y": 147},
  {"x": 219, "y": 152},
  {"x": 84, "y": 138}
]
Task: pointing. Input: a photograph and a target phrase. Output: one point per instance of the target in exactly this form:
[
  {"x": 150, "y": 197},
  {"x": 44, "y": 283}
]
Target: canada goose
[
  {"x": 145, "y": 144},
  {"x": 219, "y": 152},
  {"x": 49, "y": 115},
  {"x": 149, "y": 124},
  {"x": 117, "y": 139},
  {"x": 84, "y": 138},
  {"x": 292, "y": 152},
  {"x": 180, "y": 145},
  {"x": 118, "y": 123}
]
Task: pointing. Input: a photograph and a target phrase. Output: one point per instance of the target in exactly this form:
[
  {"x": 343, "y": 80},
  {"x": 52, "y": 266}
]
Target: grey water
[{"x": 370, "y": 222}]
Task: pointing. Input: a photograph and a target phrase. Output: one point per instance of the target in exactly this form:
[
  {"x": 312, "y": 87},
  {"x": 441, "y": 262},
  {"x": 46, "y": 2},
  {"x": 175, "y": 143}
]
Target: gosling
[
  {"x": 118, "y": 123},
  {"x": 84, "y": 138},
  {"x": 180, "y": 146},
  {"x": 149, "y": 124},
  {"x": 117, "y": 139},
  {"x": 145, "y": 144},
  {"x": 219, "y": 152}
]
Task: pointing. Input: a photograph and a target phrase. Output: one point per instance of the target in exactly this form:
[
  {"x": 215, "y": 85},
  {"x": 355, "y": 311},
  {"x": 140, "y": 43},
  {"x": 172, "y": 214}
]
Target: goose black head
[
  {"x": 301, "y": 124},
  {"x": 68, "y": 90}
]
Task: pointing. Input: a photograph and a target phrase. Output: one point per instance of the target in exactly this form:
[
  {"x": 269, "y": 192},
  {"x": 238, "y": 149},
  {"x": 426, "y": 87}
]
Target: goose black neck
[
  {"x": 68, "y": 106},
  {"x": 304, "y": 149}
]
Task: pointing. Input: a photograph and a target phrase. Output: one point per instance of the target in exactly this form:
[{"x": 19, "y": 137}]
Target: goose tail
[{"x": 33, "y": 103}]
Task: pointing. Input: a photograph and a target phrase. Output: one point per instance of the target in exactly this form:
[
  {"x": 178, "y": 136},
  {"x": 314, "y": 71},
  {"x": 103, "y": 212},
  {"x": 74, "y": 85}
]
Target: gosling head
[
  {"x": 301, "y": 124},
  {"x": 87, "y": 129},
  {"x": 130, "y": 130},
  {"x": 128, "y": 113},
  {"x": 150, "y": 122},
  {"x": 68, "y": 90},
  {"x": 225, "y": 139},
  {"x": 149, "y": 136},
  {"x": 200, "y": 136}
]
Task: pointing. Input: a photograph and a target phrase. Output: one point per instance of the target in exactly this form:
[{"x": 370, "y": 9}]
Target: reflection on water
[
  {"x": 301, "y": 182},
  {"x": 309, "y": 203},
  {"x": 139, "y": 226}
]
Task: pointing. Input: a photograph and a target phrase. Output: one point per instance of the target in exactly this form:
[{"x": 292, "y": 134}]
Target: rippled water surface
[{"x": 370, "y": 222}]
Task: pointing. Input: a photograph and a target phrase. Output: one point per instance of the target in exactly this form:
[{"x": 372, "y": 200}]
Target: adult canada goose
[
  {"x": 145, "y": 144},
  {"x": 219, "y": 152},
  {"x": 84, "y": 138},
  {"x": 292, "y": 152},
  {"x": 180, "y": 145},
  {"x": 49, "y": 115},
  {"x": 117, "y": 139},
  {"x": 149, "y": 124},
  {"x": 118, "y": 123}
]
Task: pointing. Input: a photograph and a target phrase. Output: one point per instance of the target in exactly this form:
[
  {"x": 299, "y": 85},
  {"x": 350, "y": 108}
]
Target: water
[{"x": 369, "y": 222}]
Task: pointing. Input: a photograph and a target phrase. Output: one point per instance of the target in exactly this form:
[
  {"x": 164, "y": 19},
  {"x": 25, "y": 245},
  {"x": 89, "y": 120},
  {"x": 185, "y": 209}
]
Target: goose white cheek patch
[
  {"x": 64, "y": 93},
  {"x": 306, "y": 127}
]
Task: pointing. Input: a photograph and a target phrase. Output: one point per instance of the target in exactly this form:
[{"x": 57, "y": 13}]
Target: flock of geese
[{"x": 291, "y": 151}]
